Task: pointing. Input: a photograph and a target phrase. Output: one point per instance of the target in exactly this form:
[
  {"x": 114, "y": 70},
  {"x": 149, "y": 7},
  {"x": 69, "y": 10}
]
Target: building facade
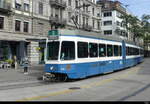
[
  {"x": 24, "y": 24},
  {"x": 16, "y": 29},
  {"x": 83, "y": 14},
  {"x": 111, "y": 23}
]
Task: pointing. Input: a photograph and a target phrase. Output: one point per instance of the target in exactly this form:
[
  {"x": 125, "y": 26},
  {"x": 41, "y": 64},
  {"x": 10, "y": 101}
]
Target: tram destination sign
[{"x": 53, "y": 34}]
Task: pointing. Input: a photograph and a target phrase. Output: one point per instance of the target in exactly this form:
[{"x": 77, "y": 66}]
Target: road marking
[
  {"x": 47, "y": 95},
  {"x": 132, "y": 71}
]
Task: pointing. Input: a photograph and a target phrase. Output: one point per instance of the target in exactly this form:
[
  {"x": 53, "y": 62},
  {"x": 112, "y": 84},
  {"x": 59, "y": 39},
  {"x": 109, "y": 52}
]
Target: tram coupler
[{"x": 48, "y": 76}]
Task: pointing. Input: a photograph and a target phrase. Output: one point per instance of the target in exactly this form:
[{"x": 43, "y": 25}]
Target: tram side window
[
  {"x": 127, "y": 51},
  {"x": 67, "y": 50},
  {"x": 134, "y": 51},
  {"x": 130, "y": 51},
  {"x": 116, "y": 50},
  {"x": 93, "y": 47},
  {"x": 82, "y": 50},
  {"x": 102, "y": 50},
  {"x": 109, "y": 50},
  {"x": 139, "y": 51},
  {"x": 120, "y": 50}
]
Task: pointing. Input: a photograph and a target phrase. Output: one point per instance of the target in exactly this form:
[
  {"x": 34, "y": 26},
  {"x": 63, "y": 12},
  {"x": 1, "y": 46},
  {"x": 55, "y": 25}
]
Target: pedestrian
[
  {"x": 15, "y": 62},
  {"x": 26, "y": 65}
]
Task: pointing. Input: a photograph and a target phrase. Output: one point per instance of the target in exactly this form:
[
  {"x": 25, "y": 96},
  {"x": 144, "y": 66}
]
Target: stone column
[
  {"x": 22, "y": 50},
  {"x": 33, "y": 53}
]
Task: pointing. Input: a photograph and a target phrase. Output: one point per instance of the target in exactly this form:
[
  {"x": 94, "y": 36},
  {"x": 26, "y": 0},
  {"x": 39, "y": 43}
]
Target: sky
[{"x": 137, "y": 7}]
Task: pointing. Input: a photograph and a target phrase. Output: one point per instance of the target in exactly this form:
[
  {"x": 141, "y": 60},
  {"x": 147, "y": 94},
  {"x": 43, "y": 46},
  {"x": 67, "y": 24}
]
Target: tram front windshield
[
  {"x": 53, "y": 50},
  {"x": 67, "y": 50}
]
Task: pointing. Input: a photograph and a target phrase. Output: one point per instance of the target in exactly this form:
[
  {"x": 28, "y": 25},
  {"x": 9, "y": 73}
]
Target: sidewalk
[{"x": 14, "y": 77}]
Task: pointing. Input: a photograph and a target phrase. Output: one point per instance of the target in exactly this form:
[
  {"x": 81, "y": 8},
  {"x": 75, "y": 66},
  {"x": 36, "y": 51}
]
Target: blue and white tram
[{"x": 76, "y": 54}]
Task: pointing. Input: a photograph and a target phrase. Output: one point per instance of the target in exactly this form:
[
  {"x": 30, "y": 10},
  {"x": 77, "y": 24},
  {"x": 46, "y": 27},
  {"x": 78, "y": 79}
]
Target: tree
[
  {"x": 146, "y": 30},
  {"x": 132, "y": 24}
]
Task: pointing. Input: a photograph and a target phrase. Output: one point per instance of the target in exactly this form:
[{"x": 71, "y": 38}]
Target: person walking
[
  {"x": 15, "y": 63},
  {"x": 26, "y": 65}
]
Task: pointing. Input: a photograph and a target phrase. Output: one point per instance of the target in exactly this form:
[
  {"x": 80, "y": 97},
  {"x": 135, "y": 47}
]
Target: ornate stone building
[{"x": 24, "y": 24}]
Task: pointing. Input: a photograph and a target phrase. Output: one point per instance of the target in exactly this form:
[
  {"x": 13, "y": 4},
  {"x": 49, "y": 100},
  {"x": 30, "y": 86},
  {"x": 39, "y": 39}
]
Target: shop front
[{"x": 12, "y": 49}]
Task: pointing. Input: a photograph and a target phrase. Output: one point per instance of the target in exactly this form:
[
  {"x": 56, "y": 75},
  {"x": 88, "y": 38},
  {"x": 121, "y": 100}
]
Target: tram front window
[
  {"x": 53, "y": 50},
  {"x": 67, "y": 50}
]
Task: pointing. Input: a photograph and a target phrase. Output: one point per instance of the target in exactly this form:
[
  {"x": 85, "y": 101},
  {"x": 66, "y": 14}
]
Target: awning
[
  {"x": 11, "y": 39},
  {"x": 8, "y": 36}
]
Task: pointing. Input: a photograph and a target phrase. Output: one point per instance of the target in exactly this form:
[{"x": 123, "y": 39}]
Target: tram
[{"x": 76, "y": 54}]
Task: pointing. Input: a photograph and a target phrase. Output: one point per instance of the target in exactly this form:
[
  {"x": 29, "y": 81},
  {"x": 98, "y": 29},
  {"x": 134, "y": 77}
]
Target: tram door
[{"x": 123, "y": 53}]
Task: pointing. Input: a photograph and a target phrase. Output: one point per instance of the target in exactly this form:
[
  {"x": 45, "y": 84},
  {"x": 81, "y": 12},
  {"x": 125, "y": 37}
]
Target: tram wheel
[{"x": 62, "y": 78}]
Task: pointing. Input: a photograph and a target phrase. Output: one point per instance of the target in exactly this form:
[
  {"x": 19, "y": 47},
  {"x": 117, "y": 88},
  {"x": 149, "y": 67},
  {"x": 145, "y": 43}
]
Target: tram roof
[{"x": 93, "y": 35}]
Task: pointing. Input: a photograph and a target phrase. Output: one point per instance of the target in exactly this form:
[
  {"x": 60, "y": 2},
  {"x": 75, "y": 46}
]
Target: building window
[
  {"x": 76, "y": 3},
  {"x": 18, "y": 6},
  {"x": 93, "y": 1},
  {"x": 98, "y": 25},
  {"x": 26, "y": 7},
  {"x": 107, "y": 14},
  {"x": 69, "y": 16},
  {"x": 108, "y": 32},
  {"x": 41, "y": 8},
  {"x": 69, "y": 2},
  {"x": 1, "y": 22},
  {"x": 26, "y": 26},
  {"x": 87, "y": 21},
  {"x": 93, "y": 23},
  {"x": 87, "y": 9},
  {"x": 93, "y": 11},
  {"x": 118, "y": 23},
  {"x": 41, "y": 28},
  {"x": 17, "y": 25},
  {"x": 77, "y": 18},
  {"x": 106, "y": 23}
]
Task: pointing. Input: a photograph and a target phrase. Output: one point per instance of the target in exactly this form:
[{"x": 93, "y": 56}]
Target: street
[{"x": 131, "y": 84}]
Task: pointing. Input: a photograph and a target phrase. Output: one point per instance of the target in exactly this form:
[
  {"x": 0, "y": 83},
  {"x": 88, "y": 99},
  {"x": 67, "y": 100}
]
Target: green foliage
[
  {"x": 9, "y": 61},
  {"x": 137, "y": 27}
]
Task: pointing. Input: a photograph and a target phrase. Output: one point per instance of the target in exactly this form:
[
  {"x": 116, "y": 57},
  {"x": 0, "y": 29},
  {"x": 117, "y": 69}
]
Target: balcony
[
  {"x": 87, "y": 27},
  {"x": 57, "y": 21},
  {"x": 58, "y": 4},
  {"x": 5, "y": 8},
  {"x": 86, "y": 13}
]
